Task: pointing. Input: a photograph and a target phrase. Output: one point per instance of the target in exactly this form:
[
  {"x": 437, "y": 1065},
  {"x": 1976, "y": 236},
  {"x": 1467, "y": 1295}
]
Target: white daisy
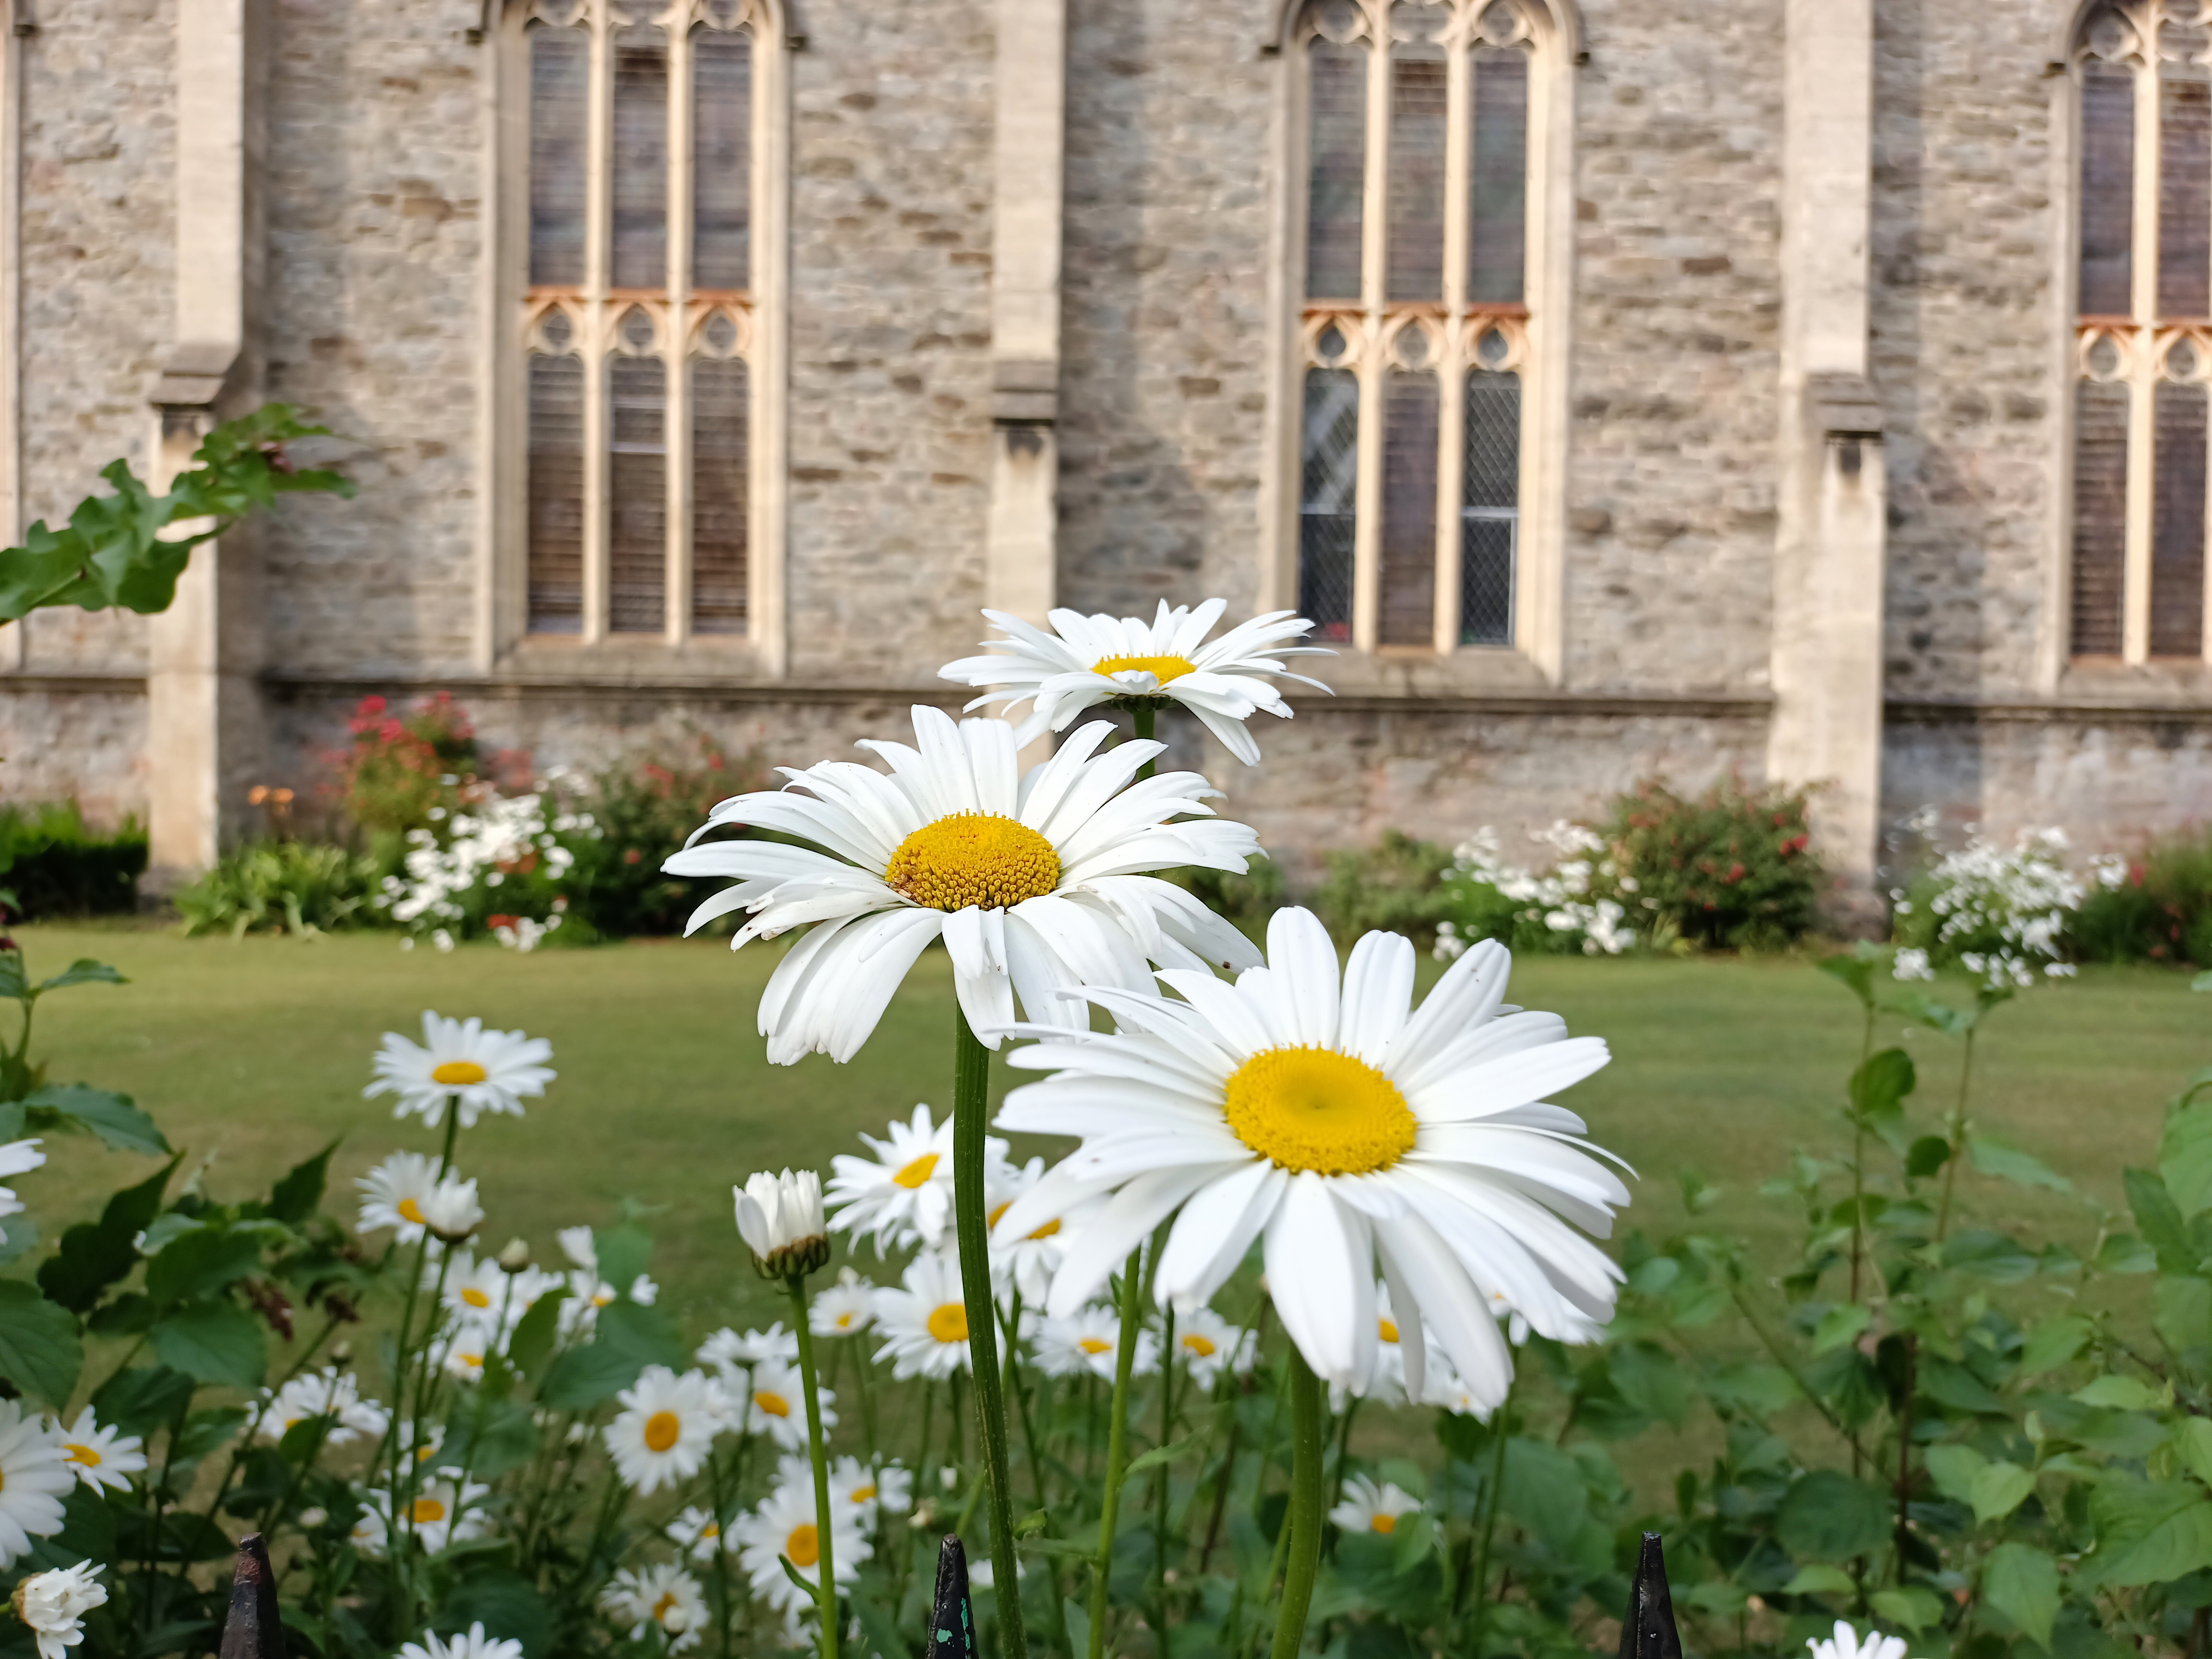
[
  {"x": 391, "y": 1194},
  {"x": 730, "y": 1356},
  {"x": 1388, "y": 1385},
  {"x": 845, "y": 1309},
  {"x": 329, "y": 1393},
  {"x": 665, "y": 1427},
  {"x": 902, "y": 1195},
  {"x": 1033, "y": 882},
  {"x": 54, "y": 1604},
  {"x": 780, "y": 1219},
  {"x": 431, "y": 1513},
  {"x": 1090, "y": 1339},
  {"x": 16, "y": 1157},
  {"x": 1339, "y": 1125},
  {"x": 869, "y": 1492},
  {"x": 473, "y": 1645},
  {"x": 925, "y": 1320},
  {"x": 667, "y": 1596},
  {"x": 1369, "y": 1508},
  {"x": 786, "y": 1526},
  {"x": 478, "y": 1292},
  {"x": 100, "y": 1457},
  {"x": 461, "y": 1354},
  {"x": 370, "y": 1534},
  {"x": 696, "y": 1533},
  {"x": 777, "y": 1407},
  {"x": 1209, "y": 1344},
  {"x": 1847, "y": 1644},
  {"x": 1089, "y": 661},
  {"x": 459, "y": 1061},
  {"x": 1025, "y": 1262},
  {"x": 451, "y": 1211},
  {"x": 425, "y": 1442}
]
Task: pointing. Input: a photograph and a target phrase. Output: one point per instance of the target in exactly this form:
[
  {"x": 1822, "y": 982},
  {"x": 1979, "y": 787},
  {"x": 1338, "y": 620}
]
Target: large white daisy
[
  {"x": 1033, "y": 881},
  {"x": 100, "y": 1457},
  {"x": 664, "y": 1595},
  {"x": 459, "y": 1061},
  {"x": 1089, "y": 661},
  {"x": 1089, "y": 1340},
  {"x": 393, "y": 1192},
  {"x": 1343, "y": 1127},
  {"x": 924, "y": 1321},
  {"x": 777, "y": 1406},
  {"x": 666, "y": 1428},
  {"x": 786, "y": 1526},
  {"x": 902, "y": 1195},
  {"x": 34, "y": 1478}
]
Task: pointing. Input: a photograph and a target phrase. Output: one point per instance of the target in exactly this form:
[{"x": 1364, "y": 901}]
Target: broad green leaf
[
  {"x": 1914, "y": 1609},
  {"x": 201, "y": 1263},
  {"x": 502, "y": 1601},
  {"x": 1999, "y": 1489},
  {"x": 1652, "y": 1380},
  {"x": 646, "y": 1335},
  {"x": 1160, "y": 1455},
  {"x": 2126, "y": 1394},
  {"x": 2160, "y": 1218},
  {"x": 1998, "y": 1157},
  {"x": 1853, "y": 969},
  {"x": 1543, "y": 1489},
  {"x": 1954, "y": 1469},
  {"x": 623, "y": 1252},
  {"x": 1828, "y": 1516},
  {"x": 14, "y": 986},
  {"x": 1952, "y": 1384},
  {"x": 534, "y": 1333},
  {"x": 2053, "y": 1343},
  {"x": 2185, "y": 1158},
  {"x": 300, "y": 1194},
  {"x": 1878, "y": 1090},
  {"x": 39, "y": 1349},
  {"x": 2123, "y": 1252},
  {"x": 83, "y": 971},
  {"x": 1753, "y": 1389},
  {"x": 1988, "y": 1254},
  {"x": 93, "y": 1255},
  {"x": 2192, "y": 1445},
  {"x": 1928, "y": 1155},
  {"x": 2181, "y": 1308},
  {"x": 1820, "y": 1581},
  {"x": 1412, "y": 1541},
  {"x": 142, "y": 1400},
  {"x": 488, "y": 1436},
  {"x": 1724, "y": 1600},
  {"x": 2021, "y": 1583},
  {"x": 111, "y": 1117},
  {"x": 215, "y": 1342},
  {"x": 589, "y": 1376},
  {"x": 2149, "y": 1532},
  {"x": 1839, "y": 1326}
]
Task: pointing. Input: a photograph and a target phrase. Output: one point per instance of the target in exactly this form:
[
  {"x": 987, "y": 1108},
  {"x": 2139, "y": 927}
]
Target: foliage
[
  {"x": 56, "y": 865},
  {"x": 278, "y": 886},
  {"x": 403, "y": 773},
  {"x": 117, "y": 550},
  {"x": 643, "y": 813},
  {"x": 1728, "y": 869},
  {"x": 2001, "y": 914},
  {"x": 1579, "y": 905},
  {"x": 499, "y": 865},
  {"x": 2154, "y": 907},
  {"x": 1396, "y": 884}
]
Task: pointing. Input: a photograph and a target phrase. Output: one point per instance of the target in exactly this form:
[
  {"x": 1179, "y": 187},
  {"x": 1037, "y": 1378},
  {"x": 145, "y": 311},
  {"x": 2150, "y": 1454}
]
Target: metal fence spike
[
  {"x": 254, "y": 1629},
  {"x": 952, "y": 1615},
  {"x": 1648, "y": 1631}
]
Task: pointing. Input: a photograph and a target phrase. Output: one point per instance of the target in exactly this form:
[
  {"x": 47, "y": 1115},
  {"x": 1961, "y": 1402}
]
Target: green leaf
[
  {"x": 1998, "y": 1490},
  {"x": 2123, "y": 1252},
  {"x": 1988, "y": 1254},
  {"x": 1928, "y": 1155},
  {"x": 2149, "y": 1532},
  {"x": 1414, "y": 1541},
  {"x": 2053, "y": 1343},
  {"x": 590, "y": 1375},
  {"x": 1652, "y": 1380},
  {"x": 646, "y": 1335},
  {"x": 1914, "y": 1609},
  {"x": 83, "y": 971},
  {"x": 1840, "y": 1326},
  {"x": 505, "y": 1603},
  {"x": 2185, "y": 1158},
  {"x": 142, "y": 1400},
  {"x": 1820, "y": 1581},
  {"x": 111, "y": 1117},
  {"x": 215, "y": 1342},
  {"x": 1952, "y": 1384},
  {"x": 13, "y": 985},
  {"x": 2159, "y": 1219},
  {"x": 1878, "y": 1090},
  {"x": 534, "y": 1333},
  {"x": 1828, "y": 1516},
  {"x": 1855, "y": 970},
  {"x": 201, "y": 1263},
  {"x": 488, "y": 1436},
  {"x": 1543, "y": 1489},
  {"x": 2006, "y": 1161},
  {"x": 299, "y": 1195},
  {"x": 2126, "y": 1394},
  {"x": 1751, "y": 1388},
  {"x": 2021, "y": 1583},
  {"x": 93, "y": 1255},
  {"x": 2192, "y": 1443},
  {"x": 40, "y": 1350},
  {"x": 1160, "y": 1455},
  {"x": 622, "y": 1254},
  {"x": 1954, "y": 1469}
]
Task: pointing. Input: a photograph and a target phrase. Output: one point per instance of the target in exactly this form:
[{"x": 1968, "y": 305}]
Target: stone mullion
[
  {"x": 1375, "y": 228},
  {"x": 597, "y": 333},
  {"x": 676, "y": 418},
  {"x": 1455, "y": 349},
  {"x": 2142, "y": 355}
]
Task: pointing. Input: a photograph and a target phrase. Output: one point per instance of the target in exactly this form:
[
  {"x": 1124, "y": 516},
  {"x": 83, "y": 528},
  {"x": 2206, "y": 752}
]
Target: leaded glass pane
[
  {"x": 2177, "y": 534},
  {"x": 1498, "y": 178},
  {"x": 1414, "y": 268},
  {"x": 1328, "y": 494},
  {"x": 637, "y": 495},
  {"x": 639, "y": 187},
  {"x": 2100, "y": 517},
  {"x": 555, "y": 531},
  {"x": 1407, "y": 587},
  {"x": 721, "y": 159},
  {"x": 1336, "y": 168},
  {"x": 560, "y": 79},
  {"x": 2184, "y": 191},
  {"x": 719, "y": 435},
  {"x": 1490, "y": 511}
]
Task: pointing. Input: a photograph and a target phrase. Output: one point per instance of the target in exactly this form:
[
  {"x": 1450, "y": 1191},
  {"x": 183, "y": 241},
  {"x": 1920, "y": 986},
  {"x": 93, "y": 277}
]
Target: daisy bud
[
  {"x": 451, "y": 1211},
  {"x": 515, "y": 1257},
  {"x": 779, "y": 1218},
  {"x": 53, "y": 1604}
]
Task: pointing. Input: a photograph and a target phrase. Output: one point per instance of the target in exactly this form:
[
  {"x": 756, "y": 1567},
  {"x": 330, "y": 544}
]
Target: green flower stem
[
  {"x": 1140, "y": 724},
  {"x": 721, "y": 1552},
  {"x": 1117, "y": 1452},
  {"x": 1304, "y": 1517},
  {"x": 971, "y": 1106},
  {"x": 825, "y": 1575},
  {"x": 1501, "y": 1429},
  {"x": 1160, "y": 1489}
]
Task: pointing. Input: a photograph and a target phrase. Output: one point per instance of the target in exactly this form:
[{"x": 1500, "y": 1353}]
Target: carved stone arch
[
  {"x": 2071, "y": 38},
  {"x": 1561, "y": 17}
]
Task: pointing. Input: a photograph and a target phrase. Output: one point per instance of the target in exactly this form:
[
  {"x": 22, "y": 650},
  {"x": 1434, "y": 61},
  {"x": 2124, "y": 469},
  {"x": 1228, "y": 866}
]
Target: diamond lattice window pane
[
  {"x": 721, "y": 159},
  {"x": 719, "y": 439},
  {"x": 555, "y": 530},
  {"x": 559, "y": 80},
  {"x": 1490, "y": 516},
  {"x": 637, "y": 495},
  {"x": 1328, "y": 519}
]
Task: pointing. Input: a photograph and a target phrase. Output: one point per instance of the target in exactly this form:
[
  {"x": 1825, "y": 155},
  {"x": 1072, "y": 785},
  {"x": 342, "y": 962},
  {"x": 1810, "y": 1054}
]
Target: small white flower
[
  {"x": 1209, "y": 1344},
  {"x": 845, "y": 1309},
  {"x": 370, "y": 1534},
  {"x": 729, "y": 1355},
  {"x": 925, "y": 1320},
  {"x": 696, "y": 1533},
  {"x": 475, "y": 1644},
  {"x": 780, "y": 1219},
  {"x": 16, "y": 1157},
  {"x": 1090, "y": 1340},
  {"x": 478, "y": 1071},
  {"x": 101, "y": 1458},
  {"x": 326, "y": 1393},
  {"x": 666, "y": 1428},
  {"x": 393, "y": 1192},
  {"x": 867, "y": 1491},
  {"x": 1911, "y": 963},
  {"x": 1369, "y": 1508},
  {"x": 1847, "y": 1644},
  {"x": 451, "y": 1210},
  {"x": 786, "y": 1526},
  {"x": 667, "y": 1596},
  {"x": 475, "y": 1290},
  {"x": 53, "y": 1604},
  {"x": 438, "y": 1514},
  {"x": 903, "y": 1194},
  {"x": 1025, "y": 1262},
  {"x": 777, "y": 1406}
]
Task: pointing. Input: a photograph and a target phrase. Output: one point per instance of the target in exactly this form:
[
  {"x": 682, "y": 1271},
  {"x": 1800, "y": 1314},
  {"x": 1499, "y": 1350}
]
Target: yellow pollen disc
[
  {"x": 975, "y": 858},
  {"x": 84, "y": 1454},
  {"x": 409, "y": 1208},
  {"x": 843, "y": 1319},
  {"x": 917, "y": 1172},
  {"x": 424, "y": 1454},
  {"x": 472, "y": 1360},
  {"x": 949, "y": 1323},
  {"x": 1093, "y": 1345},
  {"x": 1314, "y": 1108},
  {"x": 804, "y": 1546},
  {"x": 427, "y": 1511},
  {"x": 1386, "y": 1524},
  {"x": 661, "y": 1430},
  {"x": 664, "y": 1607},
  {"x": 1162, "y": 668},
  {"x": 475, "y": 1298},
  {"x": 1047, "y": 1231},
  {"x": 992, "y": 1219},
  {"x": 1202, "y": 1346},
  {"x": 711, "y": 1531},
  {"x": 1389, "y": 1332},
  {"x": 863, "y": 1494},
  {"x": 457, "y": 1073},
  {"x": 774, "y": 1404}
]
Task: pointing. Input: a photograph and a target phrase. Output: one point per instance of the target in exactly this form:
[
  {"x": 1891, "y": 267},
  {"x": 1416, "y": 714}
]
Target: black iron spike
[
  {"x": 254, "y": 1629},
  {"x": 952, "y": 1615},
  {"x": 1649, "y": 1631}
]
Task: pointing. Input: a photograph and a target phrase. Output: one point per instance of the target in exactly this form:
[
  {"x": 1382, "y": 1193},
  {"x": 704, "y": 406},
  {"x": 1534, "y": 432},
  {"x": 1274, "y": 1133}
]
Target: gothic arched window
[{"x": 2143, "y": 329}]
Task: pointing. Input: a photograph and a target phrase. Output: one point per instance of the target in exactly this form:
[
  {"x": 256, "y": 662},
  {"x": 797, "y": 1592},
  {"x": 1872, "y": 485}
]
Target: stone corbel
[
  {"x": 1847, "y": 413},
  {"x": 192, "y": 382},
  {"x": 1025, "y": 391}
]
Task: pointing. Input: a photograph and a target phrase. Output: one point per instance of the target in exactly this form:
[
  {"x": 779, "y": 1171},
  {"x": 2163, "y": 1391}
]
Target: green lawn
[{"x": 254, "y": 1054}]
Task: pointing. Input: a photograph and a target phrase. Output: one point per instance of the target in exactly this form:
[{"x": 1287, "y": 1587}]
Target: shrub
[
  {"x": 1726, "y": 868},
  {"x": 404, "y": 772},
  {"x": 281, "y": 886},
  {"x": 55, "y": 866},
  {"x": 643, "y": 813},
  {"x": 2156, "y": 906},
  {"x": 2002, "y": 914},
  {"x": 499, "y": 865},
  {"x": 1577, "y": 906},
  {"x": 1396, "y": 884}
]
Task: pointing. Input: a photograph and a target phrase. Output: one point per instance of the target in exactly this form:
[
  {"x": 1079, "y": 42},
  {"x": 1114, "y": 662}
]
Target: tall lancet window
[
  {"x": 2142, "y": 72},
  {"x": 1419, "y": 159},
  {"x": 639, "y": 323}
]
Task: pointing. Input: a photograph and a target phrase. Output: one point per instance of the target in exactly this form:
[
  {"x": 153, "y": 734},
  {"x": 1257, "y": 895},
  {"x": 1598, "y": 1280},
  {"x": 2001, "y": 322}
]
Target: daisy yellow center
[
  {"x": 1202, "y": 1346},
  {"x": 1313, "y": 1108},
  {"x": 948, "y": 1322},
  {"x": 428, "y": 1511},
  {"x": 475, "y": 1298},
  {"x": 424, "y": 1454},
  {"x": 458, "y": 1073},
  {"x": 1388, "y": 1331},
  {"x": 1386, "y": 1524},
  {"x": 1162, "y": 668},
  {"x": 1094, "y": 1345},
  {"x": 804, "y": 1546},
  {"x": 916, "y": 1173},
  {"x": 863, "y": 1494},
  {"x": 409, "y": 1208},
  {"x": 774, "y": 1404},
  {"x": 664, "y": 1607},
  {"x": 84, "y": 1455},
  {"x": 992, "y": 1219},
  {"x": 1047, "y": 1231},
  {"x": 975, "y": 858},
  {"x": 844, "y": 1320},
  {"x": 710, "y": 1530},
  {"x": 662, "y": 1430}
]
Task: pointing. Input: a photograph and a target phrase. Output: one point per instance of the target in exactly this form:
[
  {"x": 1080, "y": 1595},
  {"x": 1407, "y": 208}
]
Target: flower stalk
[
  {"x": 1304, "y": 1517},
  {"x": 825, "y": 1587},
  {"x": 1117, "y": 1451}
]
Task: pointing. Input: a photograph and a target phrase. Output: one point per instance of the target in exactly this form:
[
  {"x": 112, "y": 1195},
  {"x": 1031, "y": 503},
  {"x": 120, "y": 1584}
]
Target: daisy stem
[
  {"x": 1117, "y": 1450},
  {"x": 1160, "y": 1489},
  {"x": 1480, "y": 1581},
  {"x": 721, "y": 1554},
  {"x": 826, "y": 1572},
  {"x": 1304, "y": 1518},
  {"x": 972, "y": 1072},
  {"x": 1140, "y": 728}
]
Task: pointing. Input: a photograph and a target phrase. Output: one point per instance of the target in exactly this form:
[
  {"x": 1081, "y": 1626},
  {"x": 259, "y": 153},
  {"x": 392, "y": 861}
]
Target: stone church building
[{"x": 1806, "y": 390}]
